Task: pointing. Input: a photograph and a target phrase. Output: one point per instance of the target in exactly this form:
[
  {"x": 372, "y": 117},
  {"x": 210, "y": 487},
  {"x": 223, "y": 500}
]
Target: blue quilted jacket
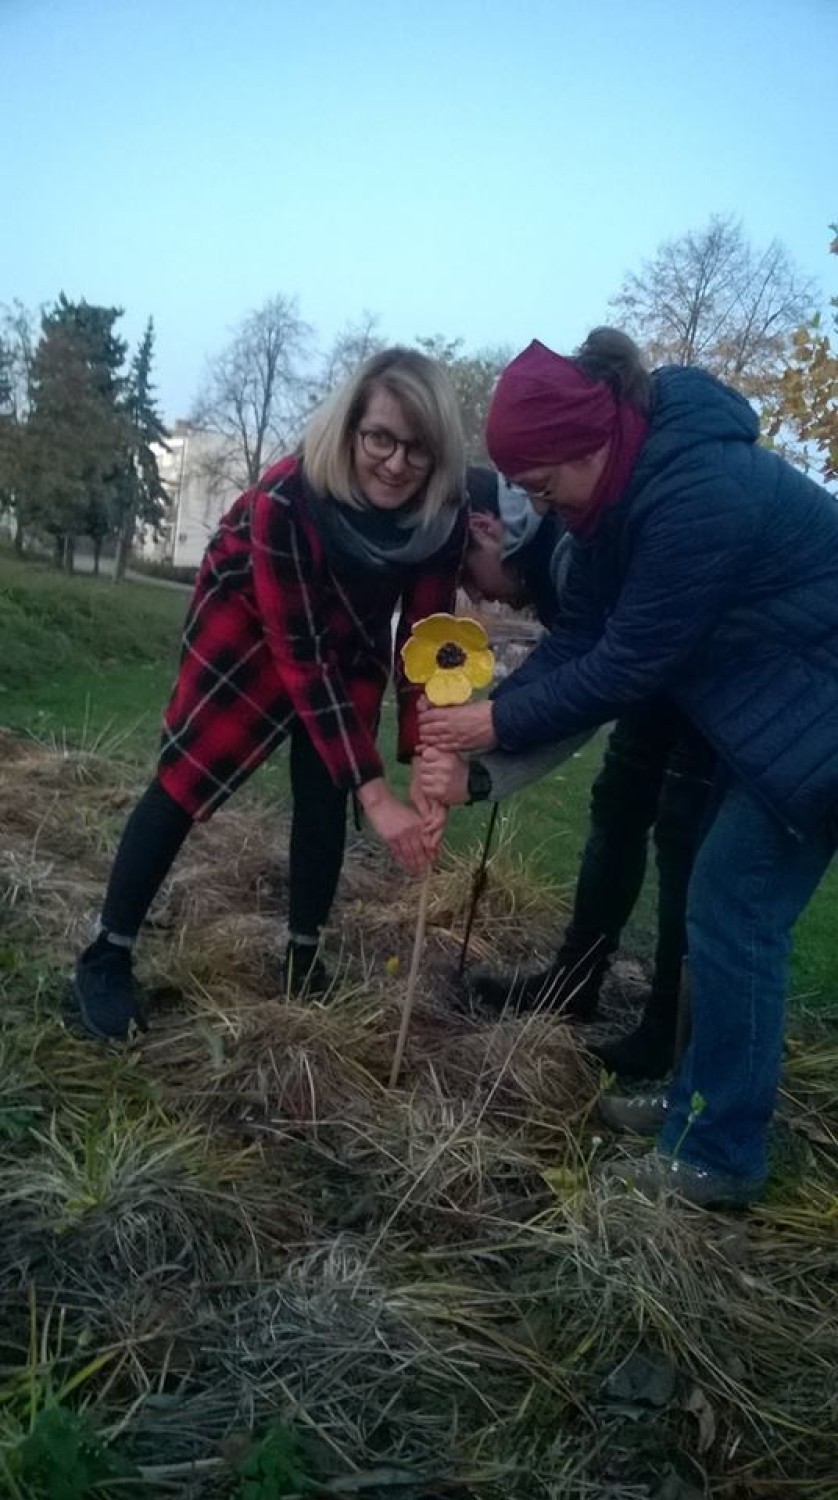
[{"x": 713, "y": 579}]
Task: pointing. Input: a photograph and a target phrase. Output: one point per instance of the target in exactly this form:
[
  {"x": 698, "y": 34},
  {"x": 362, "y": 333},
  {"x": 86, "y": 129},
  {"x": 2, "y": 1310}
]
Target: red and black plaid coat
[{"x": 272, "y": 636}]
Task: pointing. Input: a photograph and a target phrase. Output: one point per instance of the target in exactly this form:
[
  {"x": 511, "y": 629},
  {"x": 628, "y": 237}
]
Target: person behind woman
[
  {"x": 656, "y": 775},
  {"x": 706, "y": 568},
  {"x": 289, "y": 637}
]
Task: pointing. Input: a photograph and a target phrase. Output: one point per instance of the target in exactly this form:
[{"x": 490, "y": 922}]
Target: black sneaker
[
  {"x": 571, "y": 989},
  {"x": 303, "y": 976},
  {"x": 106, "y": 992}
]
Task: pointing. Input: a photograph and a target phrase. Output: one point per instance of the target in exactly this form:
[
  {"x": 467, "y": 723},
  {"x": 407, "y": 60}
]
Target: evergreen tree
[
  {"x": 76, "y": 434},
  {"x": 141, "y": 497}
]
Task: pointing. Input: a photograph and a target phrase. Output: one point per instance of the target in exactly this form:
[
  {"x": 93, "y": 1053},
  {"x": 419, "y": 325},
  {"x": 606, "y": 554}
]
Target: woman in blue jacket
[
  {"x": 656, "y": 777},
  {"x": 704, "y": 567}
]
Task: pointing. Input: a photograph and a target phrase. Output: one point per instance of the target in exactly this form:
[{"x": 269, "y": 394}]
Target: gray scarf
[{"x": 378, "y": 542}]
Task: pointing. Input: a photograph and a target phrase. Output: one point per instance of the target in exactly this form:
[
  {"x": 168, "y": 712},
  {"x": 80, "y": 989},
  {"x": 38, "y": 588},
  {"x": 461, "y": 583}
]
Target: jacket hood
[{"x": 692, "y": 407}]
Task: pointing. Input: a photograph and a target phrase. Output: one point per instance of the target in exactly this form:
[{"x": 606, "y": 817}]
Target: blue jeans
[{"x": 750, "y": 882}]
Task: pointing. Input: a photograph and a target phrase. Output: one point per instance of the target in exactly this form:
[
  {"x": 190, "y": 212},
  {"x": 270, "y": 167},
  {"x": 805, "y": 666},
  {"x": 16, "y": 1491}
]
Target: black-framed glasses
[{"x": 380, "y": 444}]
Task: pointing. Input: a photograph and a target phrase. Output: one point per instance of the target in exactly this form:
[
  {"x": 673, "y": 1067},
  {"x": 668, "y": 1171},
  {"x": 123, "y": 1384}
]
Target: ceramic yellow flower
[{"x": 450, "y": 657}]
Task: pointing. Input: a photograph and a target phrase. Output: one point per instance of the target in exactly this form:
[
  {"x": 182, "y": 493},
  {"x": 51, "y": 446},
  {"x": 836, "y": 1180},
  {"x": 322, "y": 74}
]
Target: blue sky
[{"x": 483, "y": 168}]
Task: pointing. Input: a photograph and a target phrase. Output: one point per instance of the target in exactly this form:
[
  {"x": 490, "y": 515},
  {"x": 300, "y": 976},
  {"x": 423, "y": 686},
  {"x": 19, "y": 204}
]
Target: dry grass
[{"x": 234, "y": 1221}]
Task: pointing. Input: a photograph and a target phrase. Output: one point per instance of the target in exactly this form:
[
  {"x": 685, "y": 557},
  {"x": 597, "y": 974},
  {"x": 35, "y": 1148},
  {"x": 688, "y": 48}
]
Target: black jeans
[
  {"x": 157, "y": 828},
  {"x": 657, "y": 773}
]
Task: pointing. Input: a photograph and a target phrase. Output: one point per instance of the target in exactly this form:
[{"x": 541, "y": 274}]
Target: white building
[{"x": 198, "y": 496}]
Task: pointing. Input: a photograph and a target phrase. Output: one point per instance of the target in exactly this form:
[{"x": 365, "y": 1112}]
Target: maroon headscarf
[{"x": 545, "y": 410}]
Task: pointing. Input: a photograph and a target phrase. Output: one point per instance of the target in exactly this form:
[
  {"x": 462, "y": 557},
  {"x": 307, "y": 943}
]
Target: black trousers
[
  {"x": 657, "y": 773},
  {"x": 158, "y": 827}
]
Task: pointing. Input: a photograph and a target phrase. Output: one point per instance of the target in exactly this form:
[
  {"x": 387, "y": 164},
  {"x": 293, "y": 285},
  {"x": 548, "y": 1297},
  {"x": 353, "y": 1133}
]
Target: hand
[
  {"x": 484, "y": 527},
  {"x": 444, "y": 776},
  {"x": 431, "y": 810},
  {"x": 467, "y": 728},
  {"x": 399, "y": 826}
]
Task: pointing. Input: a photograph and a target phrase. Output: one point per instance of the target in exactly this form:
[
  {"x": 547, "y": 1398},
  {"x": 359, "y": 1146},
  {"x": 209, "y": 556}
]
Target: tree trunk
[
  {"x": 69, "y": 553},
  {"x": 97, "y": 553},
  {"x": 18, "y": 537},
  {"x": 124, "y": 543},
  {"x": 120, "y": 561}
]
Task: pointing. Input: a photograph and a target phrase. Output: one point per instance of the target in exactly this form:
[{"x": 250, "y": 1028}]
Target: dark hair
[
  {"x": 611, "y": 356},
  {"x": 482, "y": 489}
]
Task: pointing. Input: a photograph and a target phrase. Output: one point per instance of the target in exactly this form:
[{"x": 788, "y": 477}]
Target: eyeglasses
[
  {"x": 536, "y": 494},
  {"x": 380, "y": 444}
]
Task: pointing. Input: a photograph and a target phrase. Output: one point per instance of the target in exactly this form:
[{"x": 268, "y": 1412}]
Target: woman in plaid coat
[{"x": 289, "y": 636}]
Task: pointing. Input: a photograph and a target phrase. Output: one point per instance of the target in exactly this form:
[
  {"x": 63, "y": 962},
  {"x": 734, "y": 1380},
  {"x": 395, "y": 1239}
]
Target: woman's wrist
[{"x": 373, "y": 792}]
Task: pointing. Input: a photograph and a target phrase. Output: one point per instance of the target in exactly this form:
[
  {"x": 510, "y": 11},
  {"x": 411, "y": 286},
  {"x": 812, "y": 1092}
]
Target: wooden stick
[
  {"x": 477, "y": 889},
  {"x": 418, "y": 944}
]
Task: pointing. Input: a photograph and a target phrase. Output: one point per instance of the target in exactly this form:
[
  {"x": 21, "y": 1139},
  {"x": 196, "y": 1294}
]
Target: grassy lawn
[{"x": 85, "y": 662}]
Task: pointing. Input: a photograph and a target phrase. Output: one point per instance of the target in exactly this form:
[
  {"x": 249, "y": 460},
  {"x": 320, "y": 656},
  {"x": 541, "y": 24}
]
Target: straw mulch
[{"x": 229, "y": 1245}]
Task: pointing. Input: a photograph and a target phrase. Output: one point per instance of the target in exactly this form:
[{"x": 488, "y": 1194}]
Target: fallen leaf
[{"x": 698, "y": 1404}]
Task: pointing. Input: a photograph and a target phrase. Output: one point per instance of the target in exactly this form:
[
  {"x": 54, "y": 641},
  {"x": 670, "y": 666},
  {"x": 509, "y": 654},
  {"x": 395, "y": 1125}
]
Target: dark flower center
[{"x": 450, "y": 655}]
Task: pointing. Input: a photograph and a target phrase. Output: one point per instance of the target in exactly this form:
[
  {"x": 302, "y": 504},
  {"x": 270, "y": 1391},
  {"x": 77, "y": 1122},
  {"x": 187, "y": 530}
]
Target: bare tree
[
  {"x": 710, "y": 298},
  {"x": 354, "y": 343},
  {"x": 474, "y": 377},
  {"x": 254, "y": 392}
]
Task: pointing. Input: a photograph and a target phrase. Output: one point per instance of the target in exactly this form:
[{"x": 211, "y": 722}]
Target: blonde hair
[{"x": 426, "y": 394}]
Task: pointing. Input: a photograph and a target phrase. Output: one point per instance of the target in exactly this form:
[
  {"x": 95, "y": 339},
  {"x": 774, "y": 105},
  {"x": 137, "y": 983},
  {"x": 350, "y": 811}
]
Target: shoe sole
[{"x": 721, "y": 1204}]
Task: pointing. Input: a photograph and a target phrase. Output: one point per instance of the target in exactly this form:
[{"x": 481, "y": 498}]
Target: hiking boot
[
  {"x": 570, "y": 989},
  {"x": 303, "y": 976},
  {"x": 649, "y": 1050},
  {"x": 659, "y": 1176},
  {"x": 644, "y": 1114},
  {"x": 106, "y": 992}
]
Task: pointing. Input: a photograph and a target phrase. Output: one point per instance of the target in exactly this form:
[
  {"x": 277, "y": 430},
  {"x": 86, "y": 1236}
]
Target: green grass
[
  {"x": 84, "y": 659},
  {"x": 86, "y": 662}
]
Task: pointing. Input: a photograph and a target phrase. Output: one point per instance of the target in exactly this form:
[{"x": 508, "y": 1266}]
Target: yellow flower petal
[
  {"x": 468, "y": 634},
  {"x": 435, "y": 629},
  {"x": 480, "y": 666},
  {"x": 448, "y": 685},
  {"x": 419, "y": 658}
]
